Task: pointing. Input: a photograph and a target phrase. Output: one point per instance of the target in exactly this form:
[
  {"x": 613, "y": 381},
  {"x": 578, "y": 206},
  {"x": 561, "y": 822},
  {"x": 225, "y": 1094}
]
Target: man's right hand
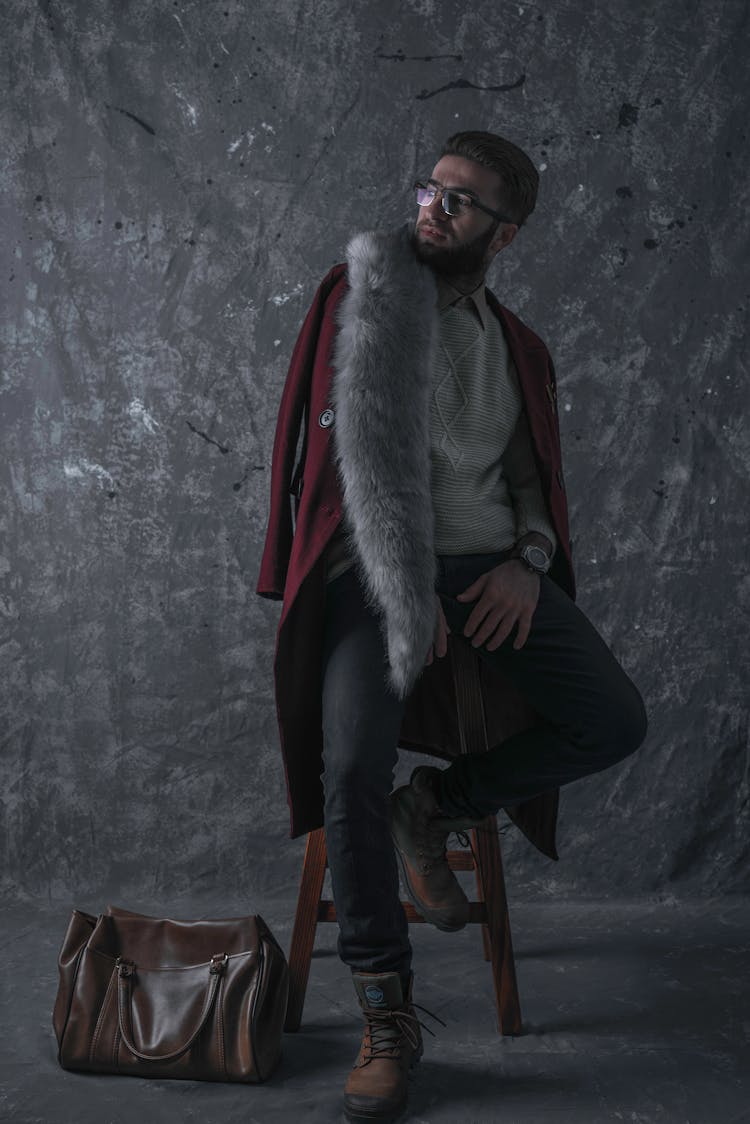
[{"x": 439, "y": 645}]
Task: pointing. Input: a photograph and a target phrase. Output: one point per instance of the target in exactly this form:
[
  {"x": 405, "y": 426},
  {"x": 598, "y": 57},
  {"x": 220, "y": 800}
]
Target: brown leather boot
[
  {"x": 391, "y": 1045},
  {"x": 420, "y": 832}
]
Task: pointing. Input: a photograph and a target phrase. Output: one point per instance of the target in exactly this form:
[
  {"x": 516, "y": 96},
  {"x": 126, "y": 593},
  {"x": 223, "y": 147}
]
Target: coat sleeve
[
  {"x": 536, "y": 376},
  {"x": 280, "y": 531},
  {"x": 519, "y": 468}
]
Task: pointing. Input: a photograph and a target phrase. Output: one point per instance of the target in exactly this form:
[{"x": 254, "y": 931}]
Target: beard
[{"x": 456, "y": 261}]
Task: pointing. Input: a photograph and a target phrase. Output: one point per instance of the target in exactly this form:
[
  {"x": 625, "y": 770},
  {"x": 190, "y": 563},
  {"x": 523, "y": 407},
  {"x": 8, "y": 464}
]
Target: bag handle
[{"x": 126, "y": 970}]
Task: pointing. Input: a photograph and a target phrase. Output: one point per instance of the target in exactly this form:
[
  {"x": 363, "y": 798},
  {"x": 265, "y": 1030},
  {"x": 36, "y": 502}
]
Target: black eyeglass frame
[{"x": 443, "y": 192}]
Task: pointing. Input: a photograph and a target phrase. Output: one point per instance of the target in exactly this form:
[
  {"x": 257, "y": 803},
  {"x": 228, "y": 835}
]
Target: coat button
[{"x": 325, "y": 419}]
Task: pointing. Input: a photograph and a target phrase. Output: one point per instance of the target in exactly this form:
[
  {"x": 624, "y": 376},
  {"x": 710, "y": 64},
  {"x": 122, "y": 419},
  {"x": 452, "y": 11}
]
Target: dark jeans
[{"x": 593, "y": 716}]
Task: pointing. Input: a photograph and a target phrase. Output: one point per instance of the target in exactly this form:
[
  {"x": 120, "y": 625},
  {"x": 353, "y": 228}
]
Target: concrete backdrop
[{"x": 176, "y": 179}]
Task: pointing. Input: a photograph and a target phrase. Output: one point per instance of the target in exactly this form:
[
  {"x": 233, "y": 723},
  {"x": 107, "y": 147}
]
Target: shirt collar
[{"x": 448, "y": 295}]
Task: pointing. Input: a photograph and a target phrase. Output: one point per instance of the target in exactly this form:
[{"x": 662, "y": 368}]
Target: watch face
[{"x": 537, "y": 558}]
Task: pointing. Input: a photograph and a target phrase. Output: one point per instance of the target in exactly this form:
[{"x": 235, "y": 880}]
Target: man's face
[{"x": 465, "y": 243}]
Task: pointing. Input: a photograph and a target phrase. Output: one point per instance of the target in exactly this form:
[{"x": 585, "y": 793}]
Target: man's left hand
[{"x": 505, "y": 596}]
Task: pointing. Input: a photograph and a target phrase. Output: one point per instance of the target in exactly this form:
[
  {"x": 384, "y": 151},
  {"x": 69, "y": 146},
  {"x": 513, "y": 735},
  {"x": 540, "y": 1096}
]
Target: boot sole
[
  {"x": 418, "y": 903},
  {"x": 389, "y": 1117}
]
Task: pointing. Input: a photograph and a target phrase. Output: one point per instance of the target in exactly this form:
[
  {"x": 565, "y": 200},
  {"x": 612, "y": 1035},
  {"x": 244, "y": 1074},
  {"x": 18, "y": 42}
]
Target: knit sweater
[{"x": 485, "y": 488}]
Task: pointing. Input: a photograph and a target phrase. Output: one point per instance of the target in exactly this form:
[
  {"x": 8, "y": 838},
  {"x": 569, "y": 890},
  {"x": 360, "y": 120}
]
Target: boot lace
[
  {"x": 387, "y": 1028},
  {"x": 464, "y": 839}
]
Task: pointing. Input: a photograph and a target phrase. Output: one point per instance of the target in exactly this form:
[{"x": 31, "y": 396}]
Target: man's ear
[{"x": 504, "y": 235}]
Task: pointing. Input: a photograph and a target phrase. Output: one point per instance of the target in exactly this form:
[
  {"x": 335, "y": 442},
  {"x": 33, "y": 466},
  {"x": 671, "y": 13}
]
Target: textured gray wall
[{"x": 177, "y": 177}]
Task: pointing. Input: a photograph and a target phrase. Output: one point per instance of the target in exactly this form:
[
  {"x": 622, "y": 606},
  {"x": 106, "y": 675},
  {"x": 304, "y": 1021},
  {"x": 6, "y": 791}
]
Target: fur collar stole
[{"x": 383, "y": 360}]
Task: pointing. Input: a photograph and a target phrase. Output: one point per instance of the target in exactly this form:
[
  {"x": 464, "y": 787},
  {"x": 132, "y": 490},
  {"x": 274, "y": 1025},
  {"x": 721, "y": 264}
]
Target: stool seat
[{"x": 490, "y": 910}]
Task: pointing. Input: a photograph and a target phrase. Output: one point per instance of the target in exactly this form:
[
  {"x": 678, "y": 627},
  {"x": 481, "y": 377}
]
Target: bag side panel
[
  {"x": 236, "y": 1017},
  {"x": 80, "y": 928},
  {"x": 87, "y": 1021},
  {"x": 270, "y": 1005}
]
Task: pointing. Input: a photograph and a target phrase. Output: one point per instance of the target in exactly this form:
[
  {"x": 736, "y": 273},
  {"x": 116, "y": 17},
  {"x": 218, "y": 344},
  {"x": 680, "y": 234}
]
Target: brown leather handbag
[{"x": 203, "y": 1000}]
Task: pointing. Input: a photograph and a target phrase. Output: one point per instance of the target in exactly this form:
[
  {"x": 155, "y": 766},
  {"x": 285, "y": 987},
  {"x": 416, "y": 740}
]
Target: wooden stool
[{"x": 490, "y": 910}]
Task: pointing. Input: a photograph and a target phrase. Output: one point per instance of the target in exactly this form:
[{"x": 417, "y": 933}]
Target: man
[{"x": 429, "y": 498}]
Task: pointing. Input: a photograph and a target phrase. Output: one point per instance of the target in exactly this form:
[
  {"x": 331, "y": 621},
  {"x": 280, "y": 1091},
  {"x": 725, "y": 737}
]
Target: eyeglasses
[{"x": 454, "y": 202}]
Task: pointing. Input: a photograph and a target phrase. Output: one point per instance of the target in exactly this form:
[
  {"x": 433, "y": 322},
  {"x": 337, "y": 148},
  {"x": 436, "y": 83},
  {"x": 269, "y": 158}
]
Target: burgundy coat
[{"x": 293, "y": 568}]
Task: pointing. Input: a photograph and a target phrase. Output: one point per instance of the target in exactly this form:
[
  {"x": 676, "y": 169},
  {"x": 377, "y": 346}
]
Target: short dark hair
[{"x": 520, "y": 177}]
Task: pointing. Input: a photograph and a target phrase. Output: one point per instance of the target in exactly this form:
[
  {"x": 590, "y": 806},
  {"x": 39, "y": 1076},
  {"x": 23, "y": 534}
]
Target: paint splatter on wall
[{"x": 179, "y": 179}]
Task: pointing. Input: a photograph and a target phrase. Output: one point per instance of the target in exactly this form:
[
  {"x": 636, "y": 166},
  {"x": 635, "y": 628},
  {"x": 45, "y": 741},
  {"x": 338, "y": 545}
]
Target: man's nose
[{"x": 435, "y": 208}]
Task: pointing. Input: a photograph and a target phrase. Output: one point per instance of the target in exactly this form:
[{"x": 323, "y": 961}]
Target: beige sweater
[{"x": 485, "y": 487}]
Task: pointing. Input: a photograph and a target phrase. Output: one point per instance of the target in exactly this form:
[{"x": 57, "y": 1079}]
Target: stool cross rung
[{"x": 460, "y": 860}]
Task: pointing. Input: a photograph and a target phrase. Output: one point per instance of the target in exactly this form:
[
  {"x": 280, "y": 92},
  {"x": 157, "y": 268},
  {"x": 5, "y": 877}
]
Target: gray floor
[{"x": 634, "y": 1012}]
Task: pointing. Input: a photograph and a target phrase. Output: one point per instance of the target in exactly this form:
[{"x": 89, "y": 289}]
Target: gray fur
[{"x": 383, "y": 368}]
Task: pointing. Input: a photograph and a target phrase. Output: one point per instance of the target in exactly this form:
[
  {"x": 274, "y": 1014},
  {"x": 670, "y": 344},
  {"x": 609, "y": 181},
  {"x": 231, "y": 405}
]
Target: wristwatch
[{"x": 535, "y": 558}]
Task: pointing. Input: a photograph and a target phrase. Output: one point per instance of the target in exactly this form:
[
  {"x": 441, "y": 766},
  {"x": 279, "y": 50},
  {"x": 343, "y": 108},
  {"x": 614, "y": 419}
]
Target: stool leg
[
  {"x": 305, "y": 924},
  {"x": 490, "y": 825},
  {"x": 498, "y": 947},
  {"x": 496, "y": 931}
]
